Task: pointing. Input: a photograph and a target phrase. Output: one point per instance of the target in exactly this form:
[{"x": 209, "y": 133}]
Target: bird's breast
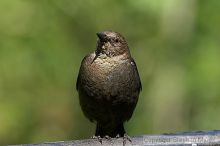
[
  {"x": 105, "y": 65},
  {"x": 101, "y": 72}
]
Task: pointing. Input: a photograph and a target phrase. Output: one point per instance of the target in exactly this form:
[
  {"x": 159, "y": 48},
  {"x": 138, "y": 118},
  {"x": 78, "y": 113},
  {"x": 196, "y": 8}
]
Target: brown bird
[{"x": 109, "y": 84}]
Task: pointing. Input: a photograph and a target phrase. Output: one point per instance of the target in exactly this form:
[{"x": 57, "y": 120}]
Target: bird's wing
[
  {"x": 135, "y": 66},
  {"x": 78, "y": 78}
]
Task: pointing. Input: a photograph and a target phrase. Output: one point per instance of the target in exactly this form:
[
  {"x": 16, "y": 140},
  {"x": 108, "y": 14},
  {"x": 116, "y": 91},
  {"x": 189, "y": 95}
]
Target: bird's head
[{"x": 111, "y": 44}]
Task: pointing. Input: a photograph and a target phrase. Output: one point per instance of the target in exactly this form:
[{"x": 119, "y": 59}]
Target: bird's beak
[{"x": 101, "y": 36}]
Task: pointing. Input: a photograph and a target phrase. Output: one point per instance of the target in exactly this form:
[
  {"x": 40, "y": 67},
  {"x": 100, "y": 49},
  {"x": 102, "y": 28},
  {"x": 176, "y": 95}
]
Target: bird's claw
[
  {"x": 117, "y": 136},
  {"x": 107, "y": 137},
  {"x": 126, "y": 137},
  {"x": 98, "y": 138}
]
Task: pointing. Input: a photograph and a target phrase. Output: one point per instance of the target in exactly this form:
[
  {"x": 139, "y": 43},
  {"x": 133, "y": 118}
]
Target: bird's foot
[
  {"x": 117, "y": 136},
  {"x": 97, "y": 137},
  {"x": 107, "y": 137},
  {"x": 126, "y": 137}
]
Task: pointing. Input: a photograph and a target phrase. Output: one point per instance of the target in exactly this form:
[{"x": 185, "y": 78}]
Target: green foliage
[{"x": 175, "y": 45}]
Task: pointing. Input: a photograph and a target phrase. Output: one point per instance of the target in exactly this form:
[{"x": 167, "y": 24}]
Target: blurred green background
[{"x": 176, "y": 45}]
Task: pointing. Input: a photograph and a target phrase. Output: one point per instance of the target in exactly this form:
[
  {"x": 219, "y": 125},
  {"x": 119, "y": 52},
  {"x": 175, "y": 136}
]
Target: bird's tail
[{"x": 103, "y": 131}]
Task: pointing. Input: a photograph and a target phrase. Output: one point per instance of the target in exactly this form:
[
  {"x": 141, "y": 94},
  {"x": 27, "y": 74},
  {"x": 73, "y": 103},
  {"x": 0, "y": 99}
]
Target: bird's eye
[{"x": 116, "y": 40}]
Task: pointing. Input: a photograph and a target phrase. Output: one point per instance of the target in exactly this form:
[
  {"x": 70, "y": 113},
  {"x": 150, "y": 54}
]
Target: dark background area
[{"x": 176, "y": 45}]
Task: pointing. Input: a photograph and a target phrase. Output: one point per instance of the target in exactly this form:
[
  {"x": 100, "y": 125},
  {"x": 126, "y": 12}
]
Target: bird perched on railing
[{"x": 109, "y": 84}]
